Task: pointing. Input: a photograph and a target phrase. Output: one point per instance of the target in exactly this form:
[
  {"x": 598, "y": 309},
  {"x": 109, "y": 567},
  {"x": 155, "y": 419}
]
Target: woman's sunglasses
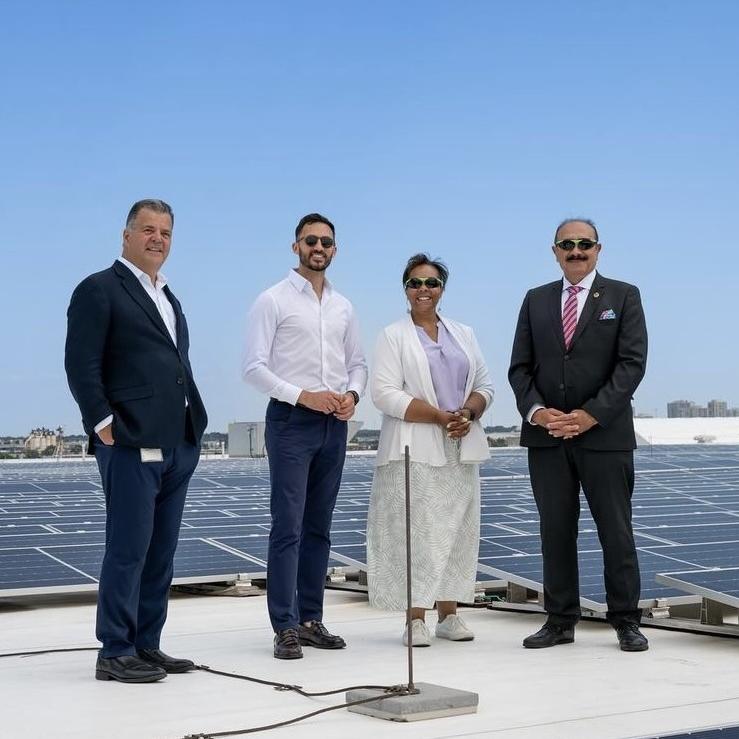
[{"x": 415, "y": 282}]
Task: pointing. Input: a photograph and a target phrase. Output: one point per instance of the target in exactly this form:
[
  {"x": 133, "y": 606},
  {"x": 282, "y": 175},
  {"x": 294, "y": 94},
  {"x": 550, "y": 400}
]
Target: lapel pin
[{"x": 596, "y": 295}]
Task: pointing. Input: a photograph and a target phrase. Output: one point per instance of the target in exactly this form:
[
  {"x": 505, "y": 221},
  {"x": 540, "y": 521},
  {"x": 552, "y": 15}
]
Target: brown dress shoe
[
  {"x": 287, "y": 645},
  {"x": 317, "y": 635}
]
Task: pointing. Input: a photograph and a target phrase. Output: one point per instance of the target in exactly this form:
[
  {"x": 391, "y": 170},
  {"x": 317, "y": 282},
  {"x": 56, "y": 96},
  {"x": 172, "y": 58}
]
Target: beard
[{"x": 305, "y": 262}]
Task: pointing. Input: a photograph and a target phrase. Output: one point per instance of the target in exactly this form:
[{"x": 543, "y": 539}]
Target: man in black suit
[
  {"x": 127, "y": 365},
  {"x": 579, "y": 354}
]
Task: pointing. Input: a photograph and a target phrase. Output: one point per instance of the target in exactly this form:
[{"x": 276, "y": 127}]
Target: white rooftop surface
[
  {"x": 588, "y": 689},
  {"x": 686, "y": 430}
]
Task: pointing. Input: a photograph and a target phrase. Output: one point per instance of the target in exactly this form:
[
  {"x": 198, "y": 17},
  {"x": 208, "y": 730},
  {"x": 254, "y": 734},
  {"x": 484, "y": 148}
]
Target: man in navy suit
[
  {"x": 579, "y": 353},
  {"x": 127, "y": 365}
]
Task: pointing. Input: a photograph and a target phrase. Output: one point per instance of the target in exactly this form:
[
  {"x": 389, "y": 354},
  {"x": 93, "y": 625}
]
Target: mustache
[{"x": 574, "y": 258}]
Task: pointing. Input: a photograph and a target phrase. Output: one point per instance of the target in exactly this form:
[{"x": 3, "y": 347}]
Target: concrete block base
[{"x": 432, "y": 701}]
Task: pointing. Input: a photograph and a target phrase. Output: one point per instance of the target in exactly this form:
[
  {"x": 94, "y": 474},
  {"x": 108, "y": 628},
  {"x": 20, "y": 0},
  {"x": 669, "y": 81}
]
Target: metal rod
[{"x": 408, "y": 590}]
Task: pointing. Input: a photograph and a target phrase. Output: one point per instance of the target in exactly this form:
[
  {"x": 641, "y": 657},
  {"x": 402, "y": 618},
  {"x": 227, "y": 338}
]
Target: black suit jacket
[
  {"x": 121, "y": 360},
  {"x": 604, "y": 366}
]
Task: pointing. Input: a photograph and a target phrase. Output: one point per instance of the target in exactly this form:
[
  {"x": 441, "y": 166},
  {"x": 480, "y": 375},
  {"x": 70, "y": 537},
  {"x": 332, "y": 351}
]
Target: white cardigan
[{"x": 401, "y": 373}]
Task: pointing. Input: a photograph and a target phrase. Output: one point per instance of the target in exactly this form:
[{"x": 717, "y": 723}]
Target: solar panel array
[{"x": 686, "y": 518}]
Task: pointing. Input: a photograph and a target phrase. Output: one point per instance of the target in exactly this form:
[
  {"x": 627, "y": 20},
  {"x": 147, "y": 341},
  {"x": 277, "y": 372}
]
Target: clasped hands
[
  {"x": 340, "y": 405},
  {"x": 564, "y": 425},
  {"x": 457, "y": 423}
]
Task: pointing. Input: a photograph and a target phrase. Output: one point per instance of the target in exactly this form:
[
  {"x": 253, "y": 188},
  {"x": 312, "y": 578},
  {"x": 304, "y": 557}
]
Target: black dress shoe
[
  {"x": 317, "y": 635},
  {"x": 550, "y": 635},
  {"x": 287, "y": 645},
  {"x": 168, "y": 664},
  {"x": 127, "y": 669},
  {"x": 630, "y": 639}
]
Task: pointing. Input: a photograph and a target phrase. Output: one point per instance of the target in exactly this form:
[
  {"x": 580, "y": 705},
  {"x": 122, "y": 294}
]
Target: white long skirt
[{"x": 445, "y": 532}]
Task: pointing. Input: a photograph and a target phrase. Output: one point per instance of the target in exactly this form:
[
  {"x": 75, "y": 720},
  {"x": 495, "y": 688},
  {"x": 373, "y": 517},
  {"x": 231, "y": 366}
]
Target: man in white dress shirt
[{"x": 303, "y": 350}]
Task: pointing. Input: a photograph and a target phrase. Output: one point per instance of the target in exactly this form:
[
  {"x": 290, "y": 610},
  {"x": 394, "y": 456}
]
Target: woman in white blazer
[{"x": 431, "y": 384}]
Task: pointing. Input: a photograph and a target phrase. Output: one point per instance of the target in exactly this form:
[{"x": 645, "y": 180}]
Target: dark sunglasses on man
[
  {"x": 570, "y": 244},
  {"x": 310, "y": 240}
]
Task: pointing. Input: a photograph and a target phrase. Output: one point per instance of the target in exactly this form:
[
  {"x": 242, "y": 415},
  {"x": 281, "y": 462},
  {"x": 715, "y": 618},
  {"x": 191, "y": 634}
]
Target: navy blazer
[
  {"x": 600, "y": 372},
  {"x": 121, "y": 360}
]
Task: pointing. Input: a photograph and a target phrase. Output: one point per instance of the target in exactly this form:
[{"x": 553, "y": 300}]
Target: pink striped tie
[{"x": 569, "y": 314}]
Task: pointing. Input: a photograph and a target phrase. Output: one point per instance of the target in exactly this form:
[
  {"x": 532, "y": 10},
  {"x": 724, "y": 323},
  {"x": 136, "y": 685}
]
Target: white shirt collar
[
  {"x": 300, "y": 283},
  {"x": 141, "y": 275},
  {"x": 586, "y": 283}
]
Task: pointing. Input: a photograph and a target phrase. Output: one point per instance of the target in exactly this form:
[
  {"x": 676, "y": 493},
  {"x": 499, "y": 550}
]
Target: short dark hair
[
  {"x": 577, "y": 220},
  {"x": 313, "y": 218},
  {"x": 418, "y": 259},
  {"x": 158, "y": 206}
]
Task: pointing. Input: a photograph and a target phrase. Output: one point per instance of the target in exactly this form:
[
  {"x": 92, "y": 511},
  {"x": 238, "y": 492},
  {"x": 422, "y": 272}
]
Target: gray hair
[
  {"x": 587, "y": 221},
  {"x": 158, "y": 206}
]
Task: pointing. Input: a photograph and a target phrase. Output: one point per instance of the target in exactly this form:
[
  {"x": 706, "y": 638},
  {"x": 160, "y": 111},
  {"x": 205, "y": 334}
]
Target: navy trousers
[
  {"x": 306, "y": 456},
  {"x": 144, "y": 503}
]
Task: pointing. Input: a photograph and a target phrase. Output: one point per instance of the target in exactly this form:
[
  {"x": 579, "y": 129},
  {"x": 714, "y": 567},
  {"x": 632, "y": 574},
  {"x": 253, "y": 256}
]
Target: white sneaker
[
  {"x": 453, "y": 628},
  {"x": 420, "y": 633}
]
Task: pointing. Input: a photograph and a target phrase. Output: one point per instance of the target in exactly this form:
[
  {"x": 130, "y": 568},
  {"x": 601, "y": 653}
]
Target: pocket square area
[{"x": 607, "y": 315}]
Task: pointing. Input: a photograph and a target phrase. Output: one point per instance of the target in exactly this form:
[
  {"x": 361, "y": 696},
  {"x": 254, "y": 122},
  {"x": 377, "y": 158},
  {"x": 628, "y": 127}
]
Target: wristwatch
[
  {"x": 355, "y": 395},
  {"x": 472, "y": 413}
]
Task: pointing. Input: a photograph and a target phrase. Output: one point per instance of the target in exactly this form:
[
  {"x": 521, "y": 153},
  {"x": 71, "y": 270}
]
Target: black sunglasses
[
  {"x": 326, "y": 241},
  {"x": 415, "y": 282},
  {"x": 570, "y": 244}
]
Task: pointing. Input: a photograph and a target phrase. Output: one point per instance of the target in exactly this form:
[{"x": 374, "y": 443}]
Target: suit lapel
[
  {"x": 555, "y": 308},
  {"x": 595, "y": 295},
  {"x": 179, "y": 317},
  {"x": 136, "y": 290}
]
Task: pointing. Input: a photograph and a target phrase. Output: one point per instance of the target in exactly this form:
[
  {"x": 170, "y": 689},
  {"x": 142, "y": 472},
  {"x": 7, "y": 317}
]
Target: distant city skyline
[
  {"x": 466, "y": 131},
  {"x": 689, "y": 409},
  {"x": 714, "y": 408}
]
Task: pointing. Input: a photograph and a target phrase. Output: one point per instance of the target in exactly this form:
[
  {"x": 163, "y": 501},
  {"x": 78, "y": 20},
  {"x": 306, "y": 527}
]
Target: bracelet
[{"x": 355, "y": 395}]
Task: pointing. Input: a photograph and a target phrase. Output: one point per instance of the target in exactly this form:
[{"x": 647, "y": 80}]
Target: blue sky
[{"x": 467, "y": 130}]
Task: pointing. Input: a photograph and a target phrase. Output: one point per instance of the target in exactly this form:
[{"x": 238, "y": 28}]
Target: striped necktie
[{"x": 569, "y": 314}]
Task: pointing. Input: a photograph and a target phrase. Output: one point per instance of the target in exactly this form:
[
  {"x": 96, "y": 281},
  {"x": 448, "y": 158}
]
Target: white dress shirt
[
  {"x": 156, "y": 292},
  {"x": 296, "y": 342},
  {"x": 582, "y": 295}
]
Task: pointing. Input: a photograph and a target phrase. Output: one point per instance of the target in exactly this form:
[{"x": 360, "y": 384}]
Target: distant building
[
  {"x": 688, "y": 409},
  {"x": 12, "y": 446},
  {"x": 40, "y": 439},
  {"x": 717, "y": 408},
  {"x": 246, "y": 439},
  {"x": 680, "y": 409}
]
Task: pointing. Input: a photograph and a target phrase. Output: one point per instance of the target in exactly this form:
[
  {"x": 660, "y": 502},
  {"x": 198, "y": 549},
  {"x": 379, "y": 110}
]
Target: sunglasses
[
  {"x": 326, "y": 241},
  {"x": 570, "y": 244},
  {"x": 415, "y": 282}
]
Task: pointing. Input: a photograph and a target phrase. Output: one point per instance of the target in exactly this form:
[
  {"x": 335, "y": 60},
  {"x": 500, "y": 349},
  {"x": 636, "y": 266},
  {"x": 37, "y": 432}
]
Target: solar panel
[
  {"x": 721, "y": 585},
  {"x": 724, "y": 732},
  {"x": 685, "y": 507}
]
